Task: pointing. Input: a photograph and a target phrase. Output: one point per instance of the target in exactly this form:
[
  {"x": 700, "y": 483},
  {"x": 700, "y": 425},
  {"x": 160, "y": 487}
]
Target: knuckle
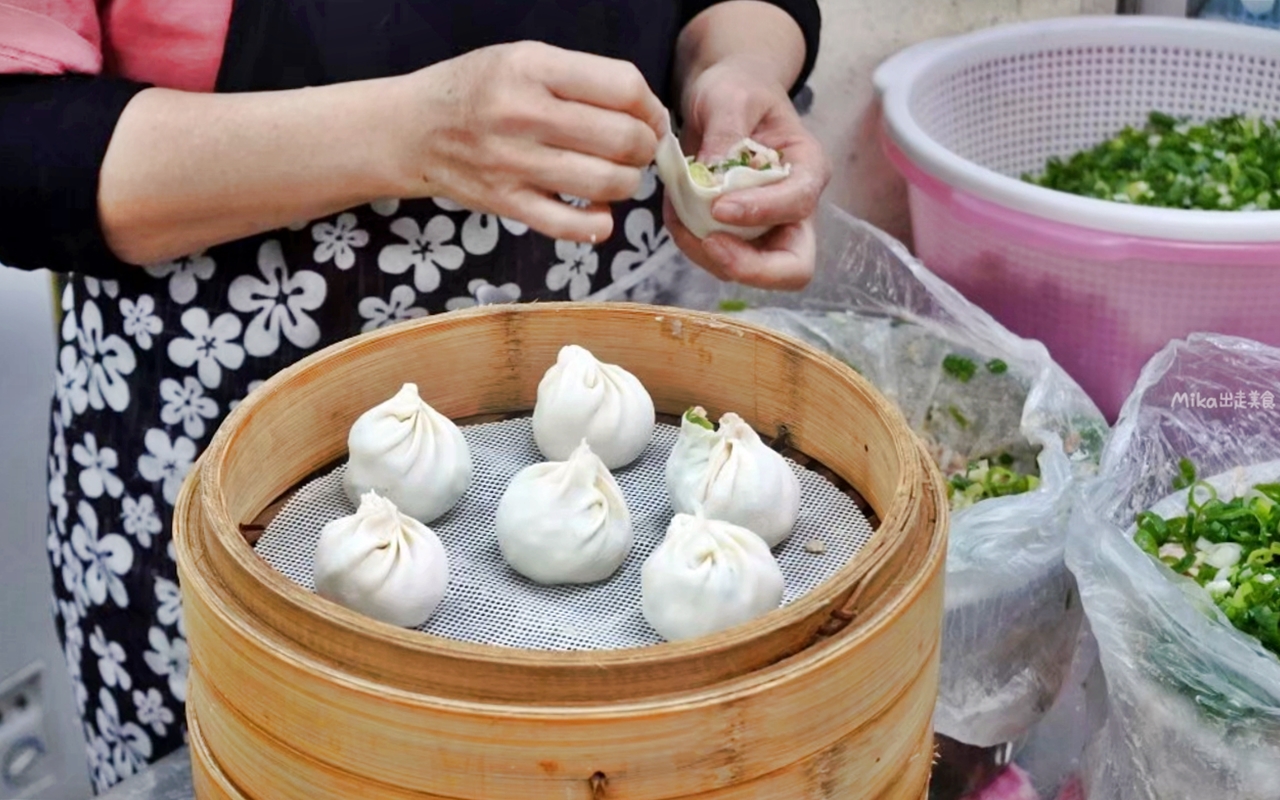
[
  {"x": 643, "y": 146},
  {"x": 518, "y": 117},
  {"x": 635, "y": 83},
  {"x": 626, "y": 183},
  {"x": 519, "y": 53},
  {"x": 614, "y": 183},
  {"x": 520, "y": 59}
]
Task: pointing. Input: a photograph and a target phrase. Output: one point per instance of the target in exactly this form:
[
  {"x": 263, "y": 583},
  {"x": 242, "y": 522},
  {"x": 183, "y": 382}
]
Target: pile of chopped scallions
[
  {"x": 1225, "y": 164},
  {"x": 983, "y": 479},
  {"x": 1230, "y": 547}
]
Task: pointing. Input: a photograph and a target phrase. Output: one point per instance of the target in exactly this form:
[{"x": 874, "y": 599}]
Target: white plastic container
[{"x": 1104, "y": 285}]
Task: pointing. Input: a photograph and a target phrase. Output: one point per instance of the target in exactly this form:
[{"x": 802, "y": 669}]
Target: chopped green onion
[
  {"x": 733, "y": 305},
  {"x": 997, "y": 367},
  {"x": 959, "y": 367},
  {"x": 1223, "y": 164},
  {"x": 979, "y": 480},
  {"x": 696, "y": 418},
  {"x": 701, "y": 175},
  {"x": 1230, "y": 547},
  {"x": 1186, "y": 474}
]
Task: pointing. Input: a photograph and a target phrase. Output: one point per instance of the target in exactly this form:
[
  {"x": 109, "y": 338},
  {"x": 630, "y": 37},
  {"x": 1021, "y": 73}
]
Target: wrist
[
  {"x": 383, "y": 146},
  {"x": 758, "y": 38}
]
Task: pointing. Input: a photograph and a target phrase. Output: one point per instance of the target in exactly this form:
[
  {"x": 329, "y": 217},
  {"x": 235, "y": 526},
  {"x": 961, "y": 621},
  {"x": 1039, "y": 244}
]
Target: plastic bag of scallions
[
  {"x": 1178, "y": 575},
  {"x": 1011, "y": 432}
]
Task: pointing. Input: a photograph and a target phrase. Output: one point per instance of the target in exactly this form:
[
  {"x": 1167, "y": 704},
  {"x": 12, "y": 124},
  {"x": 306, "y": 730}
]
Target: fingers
[
  {"x": 729, "y": 105},
  {"x": 565, "y": 172},
  {"x": 728, "y": 120},
  {"x": 605, "y": 83},
  {"x": 554, "y": 218},
  {"x": 790, "y": 200},
  {"x": 607, "y": 134},
  {"x": 783, "y": 259},
  {"x": 689, "y": 244}
]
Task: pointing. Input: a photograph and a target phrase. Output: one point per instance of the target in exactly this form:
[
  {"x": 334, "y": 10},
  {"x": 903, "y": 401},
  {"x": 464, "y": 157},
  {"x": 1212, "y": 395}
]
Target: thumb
[{"x": 726, "y": 125}]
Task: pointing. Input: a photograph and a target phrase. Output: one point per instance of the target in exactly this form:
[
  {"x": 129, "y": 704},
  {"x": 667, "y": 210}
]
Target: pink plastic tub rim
[{"x": 1089, "y": 243}]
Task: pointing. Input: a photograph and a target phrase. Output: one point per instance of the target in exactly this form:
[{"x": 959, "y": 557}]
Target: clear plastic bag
[
  {"x": 1012, "y": 613},
  {"x": 1192, "y": 706}
]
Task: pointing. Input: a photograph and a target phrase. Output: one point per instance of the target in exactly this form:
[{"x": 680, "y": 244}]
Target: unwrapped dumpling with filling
[{"x": 693, "y": 185}]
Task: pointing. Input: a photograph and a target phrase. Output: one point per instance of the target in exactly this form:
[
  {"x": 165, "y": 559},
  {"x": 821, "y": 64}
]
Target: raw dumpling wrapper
[
  {"x": 564, "y": 522},
  {"x": 706, "y": 576},
  {"x": 581, "y": 398},
  {"x": 733, "y": 476},
  {"x": 693, "y": 187},
  {"x": 382, "y": 563},
  {"x": 409, "y": 453}
]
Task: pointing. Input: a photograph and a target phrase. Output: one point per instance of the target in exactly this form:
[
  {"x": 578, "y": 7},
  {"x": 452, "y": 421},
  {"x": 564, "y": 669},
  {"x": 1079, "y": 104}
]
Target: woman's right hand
[{"x": 506, "y": 129}]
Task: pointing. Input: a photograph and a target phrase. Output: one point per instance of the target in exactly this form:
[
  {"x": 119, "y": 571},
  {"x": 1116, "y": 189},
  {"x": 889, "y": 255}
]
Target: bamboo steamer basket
[
  {"x": 211, "y": 783},
  {"x": 830, "y": 696}
]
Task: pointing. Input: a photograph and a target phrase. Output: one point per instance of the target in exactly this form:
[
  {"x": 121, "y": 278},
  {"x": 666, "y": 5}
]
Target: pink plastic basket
[{"x": 1103, "y": 285}]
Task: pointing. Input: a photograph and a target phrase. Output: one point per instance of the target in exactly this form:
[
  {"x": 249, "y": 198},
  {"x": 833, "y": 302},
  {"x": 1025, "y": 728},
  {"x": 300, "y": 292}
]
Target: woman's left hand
[{"x": 735, "y": 98}]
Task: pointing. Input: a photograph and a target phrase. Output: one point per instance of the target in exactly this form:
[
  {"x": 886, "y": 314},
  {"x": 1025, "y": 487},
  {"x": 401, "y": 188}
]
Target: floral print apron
[{"x": 149, "y": 365}]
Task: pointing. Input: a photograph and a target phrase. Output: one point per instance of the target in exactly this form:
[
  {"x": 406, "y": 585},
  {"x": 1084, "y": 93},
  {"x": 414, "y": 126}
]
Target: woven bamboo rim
[
  {"x": 297, "y": 423},
  {"x": 666, "y": 747}
]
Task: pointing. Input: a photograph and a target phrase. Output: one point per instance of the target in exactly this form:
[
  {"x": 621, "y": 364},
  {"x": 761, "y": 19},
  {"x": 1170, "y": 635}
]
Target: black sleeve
[
  {"x": 804, "y": 12},
  {"x": 54, "y": 132}
]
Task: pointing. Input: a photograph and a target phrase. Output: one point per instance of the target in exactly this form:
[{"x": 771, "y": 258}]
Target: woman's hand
[
  {"x": 508, "y": 128},
  {"x": 739, "y": 97},
  {"x": 502, "y": 130}
]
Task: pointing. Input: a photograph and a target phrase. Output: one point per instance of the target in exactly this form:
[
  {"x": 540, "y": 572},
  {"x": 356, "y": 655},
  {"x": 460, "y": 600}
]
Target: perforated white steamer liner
[
  {"x": 488, "y": 603},
  {"x": 976, "y": 111}
]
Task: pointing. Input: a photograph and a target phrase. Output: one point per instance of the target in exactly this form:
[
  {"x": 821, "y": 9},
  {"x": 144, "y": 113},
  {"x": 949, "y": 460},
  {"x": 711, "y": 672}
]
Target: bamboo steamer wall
[{"x": 829, "y": 697}]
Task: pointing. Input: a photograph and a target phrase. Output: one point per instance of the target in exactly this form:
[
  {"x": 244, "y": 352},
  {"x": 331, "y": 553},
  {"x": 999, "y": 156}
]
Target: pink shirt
[{"x": 176, "y": 44}]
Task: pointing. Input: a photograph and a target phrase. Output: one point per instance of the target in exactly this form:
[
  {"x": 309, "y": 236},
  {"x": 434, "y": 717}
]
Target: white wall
[
  {"x": 857, "y": 35},
  {"x": 26, "y": 620}
]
